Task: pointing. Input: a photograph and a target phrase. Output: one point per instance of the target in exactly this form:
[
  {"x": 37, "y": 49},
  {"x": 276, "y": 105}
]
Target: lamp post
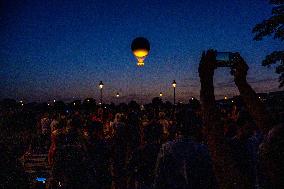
[
  {"x": 117, "y": 97},
  {"x": 174, "y": 86},
  {"x": 101, "y": 85}
]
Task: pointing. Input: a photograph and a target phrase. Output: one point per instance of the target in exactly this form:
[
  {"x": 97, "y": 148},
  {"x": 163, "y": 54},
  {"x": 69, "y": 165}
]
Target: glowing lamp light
[
  {"x": 88, "y": 100},
  {"x": 101, "y": 85},
  {"x": 54, "y": 100},
  {"x": 226, "y": 98},
  {"x": 74, "y": 103},
  {"x": 117, "y": 95},
  {"x": 161, "y": 94},
  {"x": 174, "y": 84}
]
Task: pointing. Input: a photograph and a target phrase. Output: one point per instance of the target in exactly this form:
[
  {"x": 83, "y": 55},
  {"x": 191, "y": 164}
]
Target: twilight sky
[{"x": 62, "y": 48}]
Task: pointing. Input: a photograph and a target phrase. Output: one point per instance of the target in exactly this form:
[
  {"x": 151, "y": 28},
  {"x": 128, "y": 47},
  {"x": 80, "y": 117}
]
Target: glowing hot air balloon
[{"x": 140, "y": 48}]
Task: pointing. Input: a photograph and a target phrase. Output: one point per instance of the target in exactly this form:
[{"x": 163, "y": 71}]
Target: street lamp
[
  {"x": 174, "y": 86},
  {"x": 161, "y": 94},
  {"x": 101, "y": 85}
]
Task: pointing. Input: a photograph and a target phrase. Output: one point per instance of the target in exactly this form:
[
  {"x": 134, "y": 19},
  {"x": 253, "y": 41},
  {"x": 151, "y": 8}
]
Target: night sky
[{"x": 62, "y": 48}]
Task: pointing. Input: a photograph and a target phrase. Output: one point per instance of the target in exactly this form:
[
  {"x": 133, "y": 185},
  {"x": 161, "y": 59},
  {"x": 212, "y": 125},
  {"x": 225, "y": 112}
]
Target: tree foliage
[{"x": 273, "y": 26}]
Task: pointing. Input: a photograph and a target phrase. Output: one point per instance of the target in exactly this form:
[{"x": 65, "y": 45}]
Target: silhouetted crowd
[{"x": 186, "y": 146}]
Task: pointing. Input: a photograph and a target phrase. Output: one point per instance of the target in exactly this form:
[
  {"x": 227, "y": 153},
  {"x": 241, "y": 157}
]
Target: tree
[{"x": 273, "y": 26}]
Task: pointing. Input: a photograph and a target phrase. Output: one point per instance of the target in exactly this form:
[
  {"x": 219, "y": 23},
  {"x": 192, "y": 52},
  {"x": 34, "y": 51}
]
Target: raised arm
[
  {"x": 253, "y": 104},
  {"x": 225, "y": 169},
  {"x": 211, "y": 117}
]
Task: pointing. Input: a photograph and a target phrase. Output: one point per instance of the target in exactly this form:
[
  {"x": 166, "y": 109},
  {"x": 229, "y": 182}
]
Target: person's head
[
  {"x": 75, "y": 122},
  {"x": 230, "y": 129},
  {"x": 245, "y": 125},
  {"x": 133, "y": 118},
  {"x": 119, "y": 117},
  {"x": 60, "y": 124},
  {"x": 162, "y": 115},
  {"x": 153, "y": 132},
  {"x": 62, "y": 115},
  {"x": 271, "y": 156},
  {"x": 95, "y": 129},
  {"x": 45, "y": 114},
  {"x": 190, "y": 125}
]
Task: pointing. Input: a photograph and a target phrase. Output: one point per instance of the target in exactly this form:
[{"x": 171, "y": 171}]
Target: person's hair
[
  {"x": 231, "y": 128},
  {"x": 244, "y": 117},
  {"x": 75, "y": 122},
  {"x": 61, "y": 124},
  {"x": 189, "y": 125},
  {"x": 133, "y": 118},
  {"x": 153, "y": 132},
  {"x": 271, "y": 156},
  {"x": 162, "y": 115},
  {"x": 94, "y": 126}
]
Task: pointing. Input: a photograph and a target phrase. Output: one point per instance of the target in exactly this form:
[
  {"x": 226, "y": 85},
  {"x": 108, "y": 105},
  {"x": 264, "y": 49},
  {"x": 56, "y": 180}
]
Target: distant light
[
  {"x": 174, "y": 84},
  {"x": 48, "y": 104},
  {"x": 232, "y": 101},
  {"x": 105, "y": 107},
  {"x": 101, "y": 85},
  {"x": 192, "y": 98},
  {"x": 54, "y": 100},
  {"x": 88, "y": 100},
  {"x": 100, "y": 103},
  {"x": 21, "y": 101},
  {"x": 161, "y": 94},
  {"x": 117, "y": 95},
  {"x": 226, "y": 98},
  {"x": 22, "y": 104},
  {"x": 259, "y": 97},
  {"x": 74, "y": 103}
]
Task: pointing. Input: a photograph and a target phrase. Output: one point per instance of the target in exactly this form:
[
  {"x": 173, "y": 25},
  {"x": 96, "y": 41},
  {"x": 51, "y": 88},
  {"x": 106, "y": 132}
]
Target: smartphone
[
  {"x": 224, "y": 59},
  {"x": 41, "y": 179}
]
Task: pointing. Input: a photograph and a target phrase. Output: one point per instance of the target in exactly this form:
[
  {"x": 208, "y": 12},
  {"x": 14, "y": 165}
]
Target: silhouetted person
[
  {"x": 185, "y": 163},
  {"x": 69, "y": 168},
  {"x": 229, "y": 171},
  {"x": 271, "y": 162},
  {"x": 119, "y": 152},
  {"x": 99, "y": 152},
  {"x": 56, "y": 154},
  {"x": 141, "y": 167},
  {"x": 133, "y": 132},
  {"x": 12, "y": 174}
]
